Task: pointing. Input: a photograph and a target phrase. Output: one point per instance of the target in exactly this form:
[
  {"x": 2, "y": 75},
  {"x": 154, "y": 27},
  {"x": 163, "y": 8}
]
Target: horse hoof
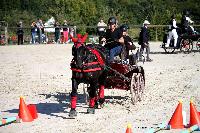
[
  {"x": 101, "y": 101},
  {"x": 90, "y": 111},
  {"x": 72, "y": 113}
]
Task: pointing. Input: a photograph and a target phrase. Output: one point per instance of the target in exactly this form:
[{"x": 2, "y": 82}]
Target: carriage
[
  {"x": 126, "y": 76},
  {"x": 186, "y": 42}
]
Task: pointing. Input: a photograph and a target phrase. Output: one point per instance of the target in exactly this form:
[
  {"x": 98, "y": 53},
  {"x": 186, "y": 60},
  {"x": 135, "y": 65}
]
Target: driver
[
  {"x": 114, "y": 39},
  {"x": 172, "y": 31}
]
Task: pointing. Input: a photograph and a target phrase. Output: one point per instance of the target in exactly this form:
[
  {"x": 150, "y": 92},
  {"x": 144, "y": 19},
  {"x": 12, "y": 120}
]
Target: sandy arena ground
[{"x": 41, "y": 73}]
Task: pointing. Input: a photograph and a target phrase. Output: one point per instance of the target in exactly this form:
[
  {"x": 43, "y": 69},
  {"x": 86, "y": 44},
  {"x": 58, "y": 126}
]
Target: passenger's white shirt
[{"x": 189, "y": 20}]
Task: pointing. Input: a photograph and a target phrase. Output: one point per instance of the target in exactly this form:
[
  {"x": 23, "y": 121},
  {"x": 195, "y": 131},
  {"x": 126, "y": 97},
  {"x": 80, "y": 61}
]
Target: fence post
[
  {"x": 156, "y": 34},
  {"x": 6, "y": 34},
  {"x": 74, "y": 30}
]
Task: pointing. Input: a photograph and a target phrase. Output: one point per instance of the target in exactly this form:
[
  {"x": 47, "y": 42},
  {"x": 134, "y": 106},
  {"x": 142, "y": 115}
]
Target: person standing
[
  {"x": 144, "y": 41},
  {"x": 65, "y": 32},
  {"x": 101, "y": 29},
  {"x": 57, "y": 32},
  {"x": 172, "y": 32},
  {"x": 20, "y": 33},
  {"x": 40, "y": 27},
  {"x": 33, "y": 32}
]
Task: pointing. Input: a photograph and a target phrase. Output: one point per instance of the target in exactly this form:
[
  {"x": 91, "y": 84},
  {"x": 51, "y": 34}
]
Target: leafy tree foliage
[{"x": 88, "y": 12}]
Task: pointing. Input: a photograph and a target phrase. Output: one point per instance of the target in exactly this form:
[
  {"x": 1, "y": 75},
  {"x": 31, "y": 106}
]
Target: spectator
[
  {"x": 40, "y": 26},
  {"x": 144, "y": 41},
  {"x": 71, "y": 31},
  {"x": 65, "y": 32},
  {"x": 101, "y": 29},
  {"x": 20, "y": 33},
  {"x": 57, "y": 32},
  {"x": 33, "y": 32}
]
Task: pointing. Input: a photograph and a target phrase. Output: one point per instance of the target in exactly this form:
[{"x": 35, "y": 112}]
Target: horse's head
[{"x": 79, "y": 50}]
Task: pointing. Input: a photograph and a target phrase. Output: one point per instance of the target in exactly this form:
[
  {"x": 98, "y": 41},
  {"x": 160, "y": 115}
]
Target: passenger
[
  {"x": 172, "y": 32},
  {"x": 101, "y": 29},
  {"x": 127, "y": 41},
  {"x": 114, "y": 39},
  {"x": 185, "y": 23}
]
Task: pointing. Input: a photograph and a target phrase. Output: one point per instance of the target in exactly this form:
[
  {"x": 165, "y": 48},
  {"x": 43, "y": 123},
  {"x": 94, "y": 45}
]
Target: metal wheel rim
[
  {"x": 186, "y": 45},
  {"x": 198, "y": 46},
  {"x": 141, "y": 87},
  {"x": 133, "y": 89}
]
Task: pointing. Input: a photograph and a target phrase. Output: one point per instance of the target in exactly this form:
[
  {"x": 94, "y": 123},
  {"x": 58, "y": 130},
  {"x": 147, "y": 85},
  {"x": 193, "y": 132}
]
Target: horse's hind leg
[
  {"x": 101, "y": 98},
  {"x": 73, "y": 112},
  {"x": 101, "y": 95}
]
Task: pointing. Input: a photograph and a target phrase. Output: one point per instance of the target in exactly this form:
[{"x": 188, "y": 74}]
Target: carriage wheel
[
  {"x": 137, "y": 87},
  {"x": 186, "y": 45},
  {"x": 141, "y": 86},
  {"x": 133, "y": 89},
  {"x": 198, "y": 44}
]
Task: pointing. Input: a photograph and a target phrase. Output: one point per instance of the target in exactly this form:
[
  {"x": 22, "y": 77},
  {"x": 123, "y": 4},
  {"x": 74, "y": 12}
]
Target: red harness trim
[
  {"x": 89, "y": 70},
  {"x": 76, "y": 70},
  {"x": 91, "y": 63},
  {"x": 92, "y": 70}
]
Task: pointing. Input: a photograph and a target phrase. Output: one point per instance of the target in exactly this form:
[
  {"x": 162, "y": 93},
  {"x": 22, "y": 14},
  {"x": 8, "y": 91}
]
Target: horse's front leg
[
  {"x": 102, "y": 81},
  {"x": 93, "y": 96},
  {"x": 73, "y": 112}
]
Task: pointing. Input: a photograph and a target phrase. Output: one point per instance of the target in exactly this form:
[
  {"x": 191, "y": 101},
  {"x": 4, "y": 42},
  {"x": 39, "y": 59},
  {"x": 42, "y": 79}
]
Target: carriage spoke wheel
[
  {"x": 137, "y": 87},
  {"x": 198, "y": 44},
  {"x": 134, "y": 89},
  {"x": 140, "y": 87},
  {"x": 186, "y": 45}
]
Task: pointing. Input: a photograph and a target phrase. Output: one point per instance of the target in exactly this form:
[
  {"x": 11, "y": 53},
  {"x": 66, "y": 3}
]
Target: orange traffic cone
[
  {"x": 24, "y": 112},
  {"x": 128, "y": 129},
  {"x": 194, "y": 115},
  {"x": 33, "y": 110},
  {"x": 176, "y": 120}
]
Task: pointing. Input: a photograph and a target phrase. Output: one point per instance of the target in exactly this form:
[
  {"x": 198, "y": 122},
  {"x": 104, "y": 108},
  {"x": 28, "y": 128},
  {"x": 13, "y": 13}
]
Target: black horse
[{"x": 88, "y": 66}]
